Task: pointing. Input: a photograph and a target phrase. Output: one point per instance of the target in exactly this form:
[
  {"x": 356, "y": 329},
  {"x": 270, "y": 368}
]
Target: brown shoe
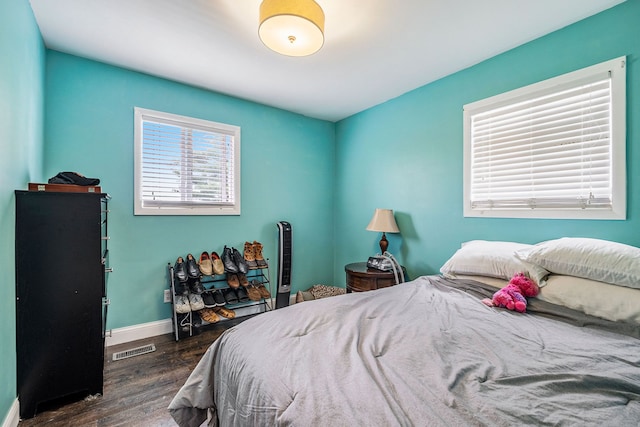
[
  {"x": 218, "y": 266},
  {"x": 250, "y": 256},
  {"x": 225, "y": 312},
  {"x": 257, "y": 251},
  {"x": 262, "y": 289},
  {"x": 232, "y": 280},
  {"x": 252, "y": 292},
  {"x": 208, "y": 315}
]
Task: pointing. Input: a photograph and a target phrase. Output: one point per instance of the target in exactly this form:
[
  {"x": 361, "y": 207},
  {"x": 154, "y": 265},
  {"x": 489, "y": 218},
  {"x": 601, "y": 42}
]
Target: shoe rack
[{"x": 188, "y": 324}]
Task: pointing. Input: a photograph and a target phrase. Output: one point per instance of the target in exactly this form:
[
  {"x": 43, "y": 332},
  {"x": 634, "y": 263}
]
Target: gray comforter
[{"x": 421, "y": 353}]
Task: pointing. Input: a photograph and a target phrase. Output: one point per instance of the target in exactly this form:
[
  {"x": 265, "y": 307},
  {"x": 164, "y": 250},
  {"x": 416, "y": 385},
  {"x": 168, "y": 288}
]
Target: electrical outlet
[{"x": 167, "y": 295}]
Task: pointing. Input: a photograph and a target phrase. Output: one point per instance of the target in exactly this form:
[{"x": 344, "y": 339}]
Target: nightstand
[{"x": 361, "y": 279}]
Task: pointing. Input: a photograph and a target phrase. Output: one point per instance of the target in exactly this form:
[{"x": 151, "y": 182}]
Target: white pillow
[
  {"x": 592, "y": 259},
  {"x": 615, "y": 303},
  {"x": 492, "y": 259}
]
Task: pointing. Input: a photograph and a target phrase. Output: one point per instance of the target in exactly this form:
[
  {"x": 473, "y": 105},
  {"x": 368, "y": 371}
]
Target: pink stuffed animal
[{"x": 512, "y": 296}]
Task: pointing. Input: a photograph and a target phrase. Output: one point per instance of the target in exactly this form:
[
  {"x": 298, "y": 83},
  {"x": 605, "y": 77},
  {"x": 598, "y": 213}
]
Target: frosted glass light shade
[{"x": 292, "y": 27}]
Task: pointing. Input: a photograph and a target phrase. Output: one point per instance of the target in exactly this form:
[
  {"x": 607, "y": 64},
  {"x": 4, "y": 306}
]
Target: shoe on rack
[
  {"x": 209, "y": 300},
  {"x": 181, "y": 304},
  {"x": 257, "y": 250},
  {"x": 253, "y": 293},
  {"x": 192, "y": 267},
  {"x": 227, "y": 259},
  {"x": 230, "y": 296},
  {"x": 205, "y": 265},
  {"x": 181, "y": 288},
  {"x": 180, "y": 270},
  {"x": 262, "y": 289},
  {"x": 250, "y": 256},
  {"x": 232, "y": 280},
  {"x": 239, "y": 261},
  {"x": 184, "y": 322},
  {"x": 196, "y": 320},
  {"x": 218, "y": 266},
  {"x": 195, "y": 286},
  {"x": 195, "y": 302},
  {"x": 218, "y": 298},
  {"x": 225, "y": 312},
  {"x": 208, "y": 315},
  {"x": 242, "y": 294}
]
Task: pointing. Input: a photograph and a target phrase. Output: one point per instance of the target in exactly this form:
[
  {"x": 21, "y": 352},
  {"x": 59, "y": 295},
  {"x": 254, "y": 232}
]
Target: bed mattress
[{"x": 426, "y": 352}]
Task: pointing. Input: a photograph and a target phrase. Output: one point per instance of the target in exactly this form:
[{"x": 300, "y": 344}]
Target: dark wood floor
[{"x": 137, "y": 390}]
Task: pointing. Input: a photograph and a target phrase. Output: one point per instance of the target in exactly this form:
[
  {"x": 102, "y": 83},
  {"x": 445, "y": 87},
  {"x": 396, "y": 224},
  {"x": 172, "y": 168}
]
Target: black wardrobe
[{"x": 61, "y": 305}]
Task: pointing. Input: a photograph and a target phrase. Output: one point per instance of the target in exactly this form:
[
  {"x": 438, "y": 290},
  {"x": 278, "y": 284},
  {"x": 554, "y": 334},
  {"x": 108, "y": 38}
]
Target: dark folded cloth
[{"x": 73, "y": 178}]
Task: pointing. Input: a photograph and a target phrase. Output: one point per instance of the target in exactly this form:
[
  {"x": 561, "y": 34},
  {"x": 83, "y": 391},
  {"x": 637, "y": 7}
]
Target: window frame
[
  {"x": 141, "y": 115},
  {"x": 617, "y": 69}
]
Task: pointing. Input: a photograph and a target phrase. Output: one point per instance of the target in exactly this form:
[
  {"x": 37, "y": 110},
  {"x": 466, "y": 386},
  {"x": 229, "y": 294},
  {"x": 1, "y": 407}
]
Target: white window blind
[
  {"x": 185, "y": 166},
  {"x": 549, "y": 149}
]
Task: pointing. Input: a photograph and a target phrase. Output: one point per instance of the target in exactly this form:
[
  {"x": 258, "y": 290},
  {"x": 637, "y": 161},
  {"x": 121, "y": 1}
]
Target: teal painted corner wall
[
  {"x": 325, "y": 178},
  {"x": 21, "y": 115},
  {"x": 406, "y": 154},
  {"x": 287, "y": 174}
]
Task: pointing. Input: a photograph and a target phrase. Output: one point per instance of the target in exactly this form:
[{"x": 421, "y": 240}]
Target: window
[
  {"x": 554, "y": 149},
  {"x": 185, "y": 166}
]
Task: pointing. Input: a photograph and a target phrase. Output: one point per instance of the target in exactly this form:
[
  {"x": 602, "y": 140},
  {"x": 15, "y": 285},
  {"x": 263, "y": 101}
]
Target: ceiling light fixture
[{"x": 292, "y": 27}]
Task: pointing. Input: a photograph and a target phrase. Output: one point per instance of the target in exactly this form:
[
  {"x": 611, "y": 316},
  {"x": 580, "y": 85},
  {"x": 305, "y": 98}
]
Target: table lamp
[{"x": 384, "y": 221}]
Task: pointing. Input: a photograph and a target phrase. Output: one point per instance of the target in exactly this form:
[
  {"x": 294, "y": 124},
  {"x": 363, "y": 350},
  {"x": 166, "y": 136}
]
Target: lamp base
[{"x": 384, "y": 244}]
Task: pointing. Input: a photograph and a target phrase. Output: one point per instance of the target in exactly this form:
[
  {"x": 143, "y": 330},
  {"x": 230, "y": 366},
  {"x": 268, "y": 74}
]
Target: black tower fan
[{"x": 284, "y": 264}]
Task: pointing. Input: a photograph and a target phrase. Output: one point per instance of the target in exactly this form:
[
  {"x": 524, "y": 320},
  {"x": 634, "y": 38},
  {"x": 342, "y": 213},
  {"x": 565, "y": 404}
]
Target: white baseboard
[
  {"x": 138, "y": 332},
  {"x": 13, "y": 416}
]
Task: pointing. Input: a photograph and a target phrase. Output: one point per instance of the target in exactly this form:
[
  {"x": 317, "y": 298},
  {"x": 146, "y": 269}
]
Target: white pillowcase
[
  {"x": 615, "y": 303},
  {"x": 593, "y": 259},
  {"x": 492, "y": 259}
]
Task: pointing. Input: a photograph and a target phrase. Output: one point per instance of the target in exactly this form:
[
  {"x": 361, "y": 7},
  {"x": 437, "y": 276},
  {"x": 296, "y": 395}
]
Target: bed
[{"x": 428, "y": 352}]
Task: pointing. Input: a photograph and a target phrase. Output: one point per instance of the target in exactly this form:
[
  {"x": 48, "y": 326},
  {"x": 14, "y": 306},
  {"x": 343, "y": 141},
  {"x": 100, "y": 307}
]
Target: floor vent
[{"x": 134, "y": 352}]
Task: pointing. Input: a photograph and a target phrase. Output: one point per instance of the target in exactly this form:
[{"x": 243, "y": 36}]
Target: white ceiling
[{"x": 374, "y": 50}]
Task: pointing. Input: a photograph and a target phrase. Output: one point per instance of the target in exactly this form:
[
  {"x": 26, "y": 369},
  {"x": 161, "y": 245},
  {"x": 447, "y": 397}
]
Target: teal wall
[
  {"x": 406, "y": 154},
  {"x": 21, "y": 115},
  {"x": 287, "y": 174},
  {"x": 325, "y": 178}
]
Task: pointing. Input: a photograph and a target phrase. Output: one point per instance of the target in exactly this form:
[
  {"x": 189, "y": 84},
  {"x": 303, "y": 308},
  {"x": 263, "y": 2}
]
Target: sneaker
[
  {"x": 239, "y": 261},
  {"x": 184, "y": 322},
  {"x": 209, "y": 300},
  {"x": 227, "y": 259},
  {"x": 205, "y": 265},
  {"x": 195, "y": 302},
  {"x": 180, "y": 271},
  {"x": 196, "y": 320},
  {"x": 257, "y": 250},
  {"x": 250, "y": 256},
  {"x": 192, "y": 267},
  {"x": 218, "y": 266},
  {"x": 181, "y": 303},
  {"x": 219, "y": 298},
  {"x": 230, "y": 296},
  {"x": 242, "y": 294}
]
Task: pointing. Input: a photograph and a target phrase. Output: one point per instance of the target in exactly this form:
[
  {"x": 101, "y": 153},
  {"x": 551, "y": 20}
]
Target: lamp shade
[
  {"x": 384, "y": 221},
  {"x": 292, "y": 27}
]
